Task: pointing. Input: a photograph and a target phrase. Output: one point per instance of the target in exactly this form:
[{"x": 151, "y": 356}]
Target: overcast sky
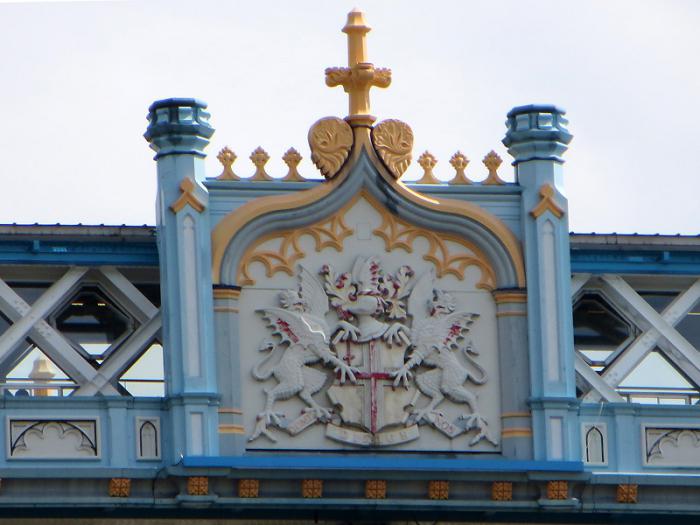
[{"x": 76, "y": 79}]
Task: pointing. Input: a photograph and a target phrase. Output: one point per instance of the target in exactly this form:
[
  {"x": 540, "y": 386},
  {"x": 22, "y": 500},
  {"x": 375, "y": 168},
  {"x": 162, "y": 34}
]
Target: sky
[{"x": 76, "y": 79}]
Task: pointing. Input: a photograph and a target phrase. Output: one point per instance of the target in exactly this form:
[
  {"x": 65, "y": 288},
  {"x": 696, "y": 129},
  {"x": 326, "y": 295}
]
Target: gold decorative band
[
  {"x": 510, "y": 296},
  {"x": 226, "y": 309},
  {"x": 508, "y": 415},
  {"x": 515, "y": 432},
  {"x": 513, "y": 313},
  {"x": 231, "y": 429},
  {"x": 225, "y": 410},
  {"x": 226, "y": 293}
]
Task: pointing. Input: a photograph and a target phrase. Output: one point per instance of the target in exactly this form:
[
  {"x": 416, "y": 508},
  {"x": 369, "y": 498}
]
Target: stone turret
[
  {"x": 537, "y": 139},
  {"x": 178, "y": 132}
]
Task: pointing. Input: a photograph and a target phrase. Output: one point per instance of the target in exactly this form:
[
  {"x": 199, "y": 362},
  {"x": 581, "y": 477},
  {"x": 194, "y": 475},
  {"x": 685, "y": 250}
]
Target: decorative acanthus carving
[
  {"x": 259, "y": 157},
  {"x": 292, "y": 158},
  {"x": 427, "y": 161},
  {"x": 459, "y": 162},
  {"x": 399, "y": 234},
  {"x": 393, "y": 141},
  {"x": 380, "y": 318},
  {"x": 330, "y": 140},
  {"x": 492, "y": 162},
  {"x": 329, "y": 234},
  {"x": 227, "y": 157}
]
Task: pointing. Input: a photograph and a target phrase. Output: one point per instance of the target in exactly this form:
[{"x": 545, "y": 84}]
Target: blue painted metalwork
[
  {"x": 71, "y": 253},
  {"x": 636, "y": 261},
  {"x": 379, "y": 463}
]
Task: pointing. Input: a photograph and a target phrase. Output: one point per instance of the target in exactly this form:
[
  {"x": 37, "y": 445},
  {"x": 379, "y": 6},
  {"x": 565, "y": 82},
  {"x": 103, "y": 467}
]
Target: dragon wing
[
  {"x": 443, "y": 331},
  {"x": 296, "y": 328},
  {"x": 421, "y": 295},
  {"x": 366, "y": 273},
  {"x": 455, "y": 326},
  {"x": 312, "y": 292}
]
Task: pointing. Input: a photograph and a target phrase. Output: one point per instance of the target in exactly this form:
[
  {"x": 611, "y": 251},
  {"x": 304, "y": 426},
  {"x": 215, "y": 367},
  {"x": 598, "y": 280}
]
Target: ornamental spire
[{"x": 360, "y": 75}]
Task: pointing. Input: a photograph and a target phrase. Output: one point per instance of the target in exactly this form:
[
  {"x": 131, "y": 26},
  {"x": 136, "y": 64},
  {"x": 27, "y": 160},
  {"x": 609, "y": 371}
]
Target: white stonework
[
  {"x": 670, "y": 446},
  {"x": 52, "y": 439},
  {"x": 330, "y": 362}
]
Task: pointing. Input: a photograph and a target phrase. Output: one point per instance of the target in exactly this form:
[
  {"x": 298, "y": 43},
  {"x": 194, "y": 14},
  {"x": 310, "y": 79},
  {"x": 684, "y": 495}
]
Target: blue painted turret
[
  {"x": 537, "y": 139},
  {"x": 179, "y": 131}
]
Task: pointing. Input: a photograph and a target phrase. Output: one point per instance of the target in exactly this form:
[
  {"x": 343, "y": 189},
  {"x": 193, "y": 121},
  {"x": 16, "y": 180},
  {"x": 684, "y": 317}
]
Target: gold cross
[{"x": 360, "y": 75}]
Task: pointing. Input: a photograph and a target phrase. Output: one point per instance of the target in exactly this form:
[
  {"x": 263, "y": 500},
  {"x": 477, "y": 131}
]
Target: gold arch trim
[
  {"x": 509, "y": 415},
  {"x": 232, "y": 223},
  {"x": 515, "y": 433},
  {"x": 503, "y": 296},
  {"x": 328, "y": 234},
  {"x": 399, "y": 234},
  {"x": 231, "y": 429},
  {"x": 514, "y": 313},
  {"x": 226, "y": 293}
]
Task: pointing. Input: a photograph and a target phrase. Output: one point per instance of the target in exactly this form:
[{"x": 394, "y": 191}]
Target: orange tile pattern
[
  {"x": 502, "y": 491},
  {"x": 248, "y": 488},
  {"x": 119, "y": 488},
  {"x": 439, "y": 489},
  {"x": 557, "y": 490},
  {"x": 312, "y": 488},
  {"x": 197, "y": 486},
  {"x": 375, "y": 489},
  {"x": 627, "y": 493}
]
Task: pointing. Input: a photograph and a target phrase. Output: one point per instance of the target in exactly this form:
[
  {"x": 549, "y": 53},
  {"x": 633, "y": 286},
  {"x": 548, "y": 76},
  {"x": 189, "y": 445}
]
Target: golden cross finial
[{"x": 360, "y": 75}]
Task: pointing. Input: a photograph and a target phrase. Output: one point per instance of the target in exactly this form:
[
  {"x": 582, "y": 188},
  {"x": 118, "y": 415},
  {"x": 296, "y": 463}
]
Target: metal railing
[{"x": 660, "y": 396}]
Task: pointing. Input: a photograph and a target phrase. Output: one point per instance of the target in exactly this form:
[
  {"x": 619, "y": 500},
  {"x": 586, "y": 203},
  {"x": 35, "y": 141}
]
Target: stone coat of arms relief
[{"x": 398, "y": 349}]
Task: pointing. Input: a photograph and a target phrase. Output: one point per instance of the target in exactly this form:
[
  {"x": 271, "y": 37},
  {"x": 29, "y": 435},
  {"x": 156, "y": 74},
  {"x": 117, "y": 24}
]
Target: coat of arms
[{"x": 394, "y": 339}]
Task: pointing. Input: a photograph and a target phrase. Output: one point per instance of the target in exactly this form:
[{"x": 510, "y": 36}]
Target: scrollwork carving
[
  {"x": 330, "y": 140},
  {"x": 393, "y": 141}
]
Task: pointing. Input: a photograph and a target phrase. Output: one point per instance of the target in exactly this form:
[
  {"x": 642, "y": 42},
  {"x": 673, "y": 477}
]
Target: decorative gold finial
[
  {"x": 393, "y": 141},
  {"x": 292, "y": 158},
  {"x": 360, "y": 75},
  {"x": 427, "y": 161},
  {"x": 492, "y": 161},
  {"x": 459, "y": 162},
  {"x": 227, "y": 158},
  {"x": 260, "y": 158}
]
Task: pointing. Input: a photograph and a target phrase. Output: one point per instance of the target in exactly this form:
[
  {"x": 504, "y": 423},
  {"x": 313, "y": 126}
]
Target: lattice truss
[
  {"x": 636, "y": 338},
  {"x": 82, "y": 331}
]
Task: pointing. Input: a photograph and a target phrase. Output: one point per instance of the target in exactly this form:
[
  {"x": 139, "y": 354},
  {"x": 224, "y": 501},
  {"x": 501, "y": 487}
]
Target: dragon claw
[
  {"x": 396, "y": 333},
  {"x": 321, "y": 413},
  {"x": 271, "y": 418},
  {"x": 476, "y": 421},
  {"x": 262, "y": 430}
]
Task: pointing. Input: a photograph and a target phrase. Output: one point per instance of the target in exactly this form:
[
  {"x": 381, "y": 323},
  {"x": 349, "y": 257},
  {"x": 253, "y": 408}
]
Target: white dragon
[
  {"x": 437, "y": 330},
  {"x": 305, "y": 338}
]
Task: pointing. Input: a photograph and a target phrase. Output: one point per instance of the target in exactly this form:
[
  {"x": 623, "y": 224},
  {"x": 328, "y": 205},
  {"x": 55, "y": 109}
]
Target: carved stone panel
[
  {"x": 672, "y": 446},
  {"x": 370, "y": 343},
  {"x": 53, "y": 439}
]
